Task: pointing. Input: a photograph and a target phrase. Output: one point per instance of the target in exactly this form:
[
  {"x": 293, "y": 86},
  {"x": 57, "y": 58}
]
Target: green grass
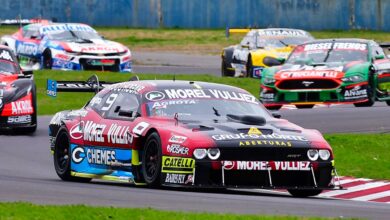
[
  {"x": 49, "y": 105},
  {"x": 29, "y": 211},
  {"x": 361, "y": 155}
]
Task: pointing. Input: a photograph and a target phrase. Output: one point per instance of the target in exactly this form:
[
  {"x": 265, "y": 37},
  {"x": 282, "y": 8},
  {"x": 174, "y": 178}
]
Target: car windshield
[
  {"x": 69, "y": 31},
  {"x": 7, "y": 67},
  {"x": 73, "y": 35},
  {"x": 280, "y": 42},
  {"x": 204, "y": 109},
  {"x": 327, "y": 52}
]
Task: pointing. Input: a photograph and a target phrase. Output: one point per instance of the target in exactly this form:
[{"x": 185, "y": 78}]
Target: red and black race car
[
  {"x": 190, "y": 134},
  {"x": 17, "y": 95}
]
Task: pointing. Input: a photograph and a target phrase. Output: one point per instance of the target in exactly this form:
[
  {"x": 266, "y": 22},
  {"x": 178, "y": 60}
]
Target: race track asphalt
[{"x": 27, "y": 174}]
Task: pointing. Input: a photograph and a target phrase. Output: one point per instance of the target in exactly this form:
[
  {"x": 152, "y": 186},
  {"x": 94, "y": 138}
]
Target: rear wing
[
  {"x": 21, "y": 22},
  {"x": 229, "y": 31},
  {"x": 91, "y": 85}
]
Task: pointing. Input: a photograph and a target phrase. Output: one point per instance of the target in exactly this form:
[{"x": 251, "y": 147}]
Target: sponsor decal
[
  {"x": 177, "y": 149},
  {"x": 265, "y": 165},
  {"x": 100, "y": 48},
  {"x": 267, "y": 96},
  {"x": 163, "y": 104},
  {"x": 355, "y": 93},
  {"x": 243, "y": 136},
  {"x": 175, "y": 178},
  {"x": 5, "y": 55},
  {"x": 62, "y": 56},
  {"x": 22, "y": 107},
  {"x": 309, "y": 73},
  {"x": 76, "y": 131},
  {"x": 178, "y": 162},
  {"x": 290, "y": 33},
  {"x": 19, "y": 119},
  {"x": 93, "y": 131},
  {"x": 177, "y": 139},
  {"x": 118, "y": 134},
  {"x": 95, "y": 101},
  {"x": 27, "y": 48},
  {"x": 212, "y": 93},
  {"x": 336, "y": 46},
  {"x": 94, "y": 156},
  {"x": 78, "y": 113},
  {"x": 319, "y": 46},
  {"x": 265, "y": 142},
  {"x": 1, "y": 102},
  {"x": 140, "y": 128},
  {"x": 254, "y": 130},
  {"x": 65, "y": 27},
  {"x": 155, "y": 96},
  {"x": 131, "y": 88}
]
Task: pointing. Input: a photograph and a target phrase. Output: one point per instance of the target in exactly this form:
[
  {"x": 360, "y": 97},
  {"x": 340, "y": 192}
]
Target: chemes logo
[
  {"x": 76, "y": 132},
  {"x": 78, "y": 154},
  {"x": 155, "y": 96}
]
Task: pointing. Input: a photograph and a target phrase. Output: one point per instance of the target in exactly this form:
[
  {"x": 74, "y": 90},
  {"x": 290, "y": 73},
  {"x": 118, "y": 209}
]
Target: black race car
[
  {"x": 189, "y": 134},
  {"x": 17, "y": 95}
]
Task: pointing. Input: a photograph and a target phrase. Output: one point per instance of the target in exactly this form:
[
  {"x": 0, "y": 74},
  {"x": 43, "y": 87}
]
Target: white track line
[{"x": 354, "y": 189}]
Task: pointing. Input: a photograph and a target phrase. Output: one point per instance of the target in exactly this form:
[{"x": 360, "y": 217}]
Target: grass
[
  {"x": 29, "y": 211},
  {"x": 361, "y": 155},
  {"x": 202, "y": 41}
]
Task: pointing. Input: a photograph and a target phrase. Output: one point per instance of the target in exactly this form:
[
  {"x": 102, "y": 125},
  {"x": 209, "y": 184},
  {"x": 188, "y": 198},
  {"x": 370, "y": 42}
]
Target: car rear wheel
[
  {"x": 224, "y": 69},
  {"x": 151, "y": 161},
  {"x": 47, "y": 60},
  {"x": 304, "y": 193},
  {"x": 62, "y": 157},
  {"x": 371, "y": 98},
  {"x": 304, "y": 106},
  {"x": 249, "y": 67}
]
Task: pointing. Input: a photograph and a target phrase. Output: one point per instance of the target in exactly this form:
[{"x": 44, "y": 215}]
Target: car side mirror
[
  {"x": 272, "y": 61},
  {"x": 379, "y": 57},
  {"x": 276, "y": 115}
]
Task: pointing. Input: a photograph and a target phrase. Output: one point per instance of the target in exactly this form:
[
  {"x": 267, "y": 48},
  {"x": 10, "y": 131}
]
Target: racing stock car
[
  {"x": 189, "y": 134},
  {"x": 67, "y": 46},
  {"x": 327, "y": 71},
  {"x": 17, "y": 95},
  {"x": 246, "y": 58}
]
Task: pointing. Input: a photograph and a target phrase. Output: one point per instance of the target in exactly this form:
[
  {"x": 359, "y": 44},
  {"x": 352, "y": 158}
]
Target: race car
[
  {"x": 188, "y": 134},
  {"x": 67, "y": 46},
  {"x": 326, "y": 71},
  {"x": 18, "y": 103},
  {"x": 246, "y": 58}
]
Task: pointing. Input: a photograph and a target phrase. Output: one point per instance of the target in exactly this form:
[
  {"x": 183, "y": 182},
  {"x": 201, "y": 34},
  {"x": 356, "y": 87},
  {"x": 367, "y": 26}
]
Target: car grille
[
  {"x": 264, "y": 153},
  {"x": 307, "y": 84},
  {"x": 87, "y": 65}
]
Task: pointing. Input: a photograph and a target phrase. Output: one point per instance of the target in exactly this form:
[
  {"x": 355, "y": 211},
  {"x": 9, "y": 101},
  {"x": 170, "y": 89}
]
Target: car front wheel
[
  {"x": 151, "y": 163},
  {"x": 304, "y": 193}
]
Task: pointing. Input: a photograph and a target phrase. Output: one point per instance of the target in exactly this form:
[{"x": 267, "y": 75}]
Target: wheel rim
[
  {"x": 151, "y": 160},
  {"x": 62, "y": 155},
  {"x": 48, "y": 60}
]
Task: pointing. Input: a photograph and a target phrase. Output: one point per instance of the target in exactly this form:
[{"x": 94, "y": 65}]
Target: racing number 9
[{"x": 110, "y": 100}]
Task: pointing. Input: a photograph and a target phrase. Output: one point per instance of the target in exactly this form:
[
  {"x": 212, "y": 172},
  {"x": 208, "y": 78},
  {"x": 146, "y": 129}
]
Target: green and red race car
[{"x": 349, "y": 71}]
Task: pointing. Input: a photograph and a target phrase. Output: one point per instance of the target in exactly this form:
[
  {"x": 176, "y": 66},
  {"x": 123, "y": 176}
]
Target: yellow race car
[{"x": 246, "y": 59}]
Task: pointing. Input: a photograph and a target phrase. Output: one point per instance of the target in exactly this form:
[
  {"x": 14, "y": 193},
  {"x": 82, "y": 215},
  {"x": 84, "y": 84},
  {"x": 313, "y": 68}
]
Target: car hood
[{"x": 97, "y": 46}]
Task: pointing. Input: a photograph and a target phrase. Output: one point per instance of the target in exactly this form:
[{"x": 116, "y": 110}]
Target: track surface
[{"x": 27, "y": 173}]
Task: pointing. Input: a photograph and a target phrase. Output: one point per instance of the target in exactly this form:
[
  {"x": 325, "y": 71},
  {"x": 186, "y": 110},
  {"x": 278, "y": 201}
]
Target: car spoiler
[
  {"x": 21, "y": 22},
  {"x": 92, "y": 84},
  {"x": 236, "y": 31}
]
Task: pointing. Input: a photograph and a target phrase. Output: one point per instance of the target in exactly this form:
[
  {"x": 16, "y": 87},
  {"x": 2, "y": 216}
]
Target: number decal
[{"x": 111, "y": 99}]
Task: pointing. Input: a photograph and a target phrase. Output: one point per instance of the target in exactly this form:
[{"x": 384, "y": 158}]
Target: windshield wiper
[
  {"x": 216, "y": 112},
  {"x": 283, "y": 43},
  {"x": 327, "y": 54}
]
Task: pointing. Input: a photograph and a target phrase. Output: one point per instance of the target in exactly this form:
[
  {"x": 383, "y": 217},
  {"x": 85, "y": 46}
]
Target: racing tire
[
  {"x": 151, "y": 161},
  {"x": 304, "y": 193},
  {"x": 62, "y": 157},
  {"x": 224, "y": 69},
  {"x": 388, "y": 103},
  {"x": 47, "y": 60},
  {"x": 274, "y": 107},
  {"x": 304, "y": 106},
  {"x": 249, "y": 67}
]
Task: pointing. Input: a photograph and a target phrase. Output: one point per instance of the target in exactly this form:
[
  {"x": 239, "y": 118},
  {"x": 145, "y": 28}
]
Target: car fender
[{"x": 258, "y": 56}]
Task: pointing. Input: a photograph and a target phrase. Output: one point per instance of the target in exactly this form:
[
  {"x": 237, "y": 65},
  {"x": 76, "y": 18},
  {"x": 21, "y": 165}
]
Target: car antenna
[
  {"x": 174, "y": 77},
  {"x": 176, "y": 117}
]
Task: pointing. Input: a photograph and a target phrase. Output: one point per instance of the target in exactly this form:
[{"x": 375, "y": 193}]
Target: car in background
[
  {"x": 342, "y": 71},
  {"x": 18, "y": 105},
  {"x": 185, "y": 134},
  {"x": 67, "y": 46},
  {"x": 246, "y": 59}
]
